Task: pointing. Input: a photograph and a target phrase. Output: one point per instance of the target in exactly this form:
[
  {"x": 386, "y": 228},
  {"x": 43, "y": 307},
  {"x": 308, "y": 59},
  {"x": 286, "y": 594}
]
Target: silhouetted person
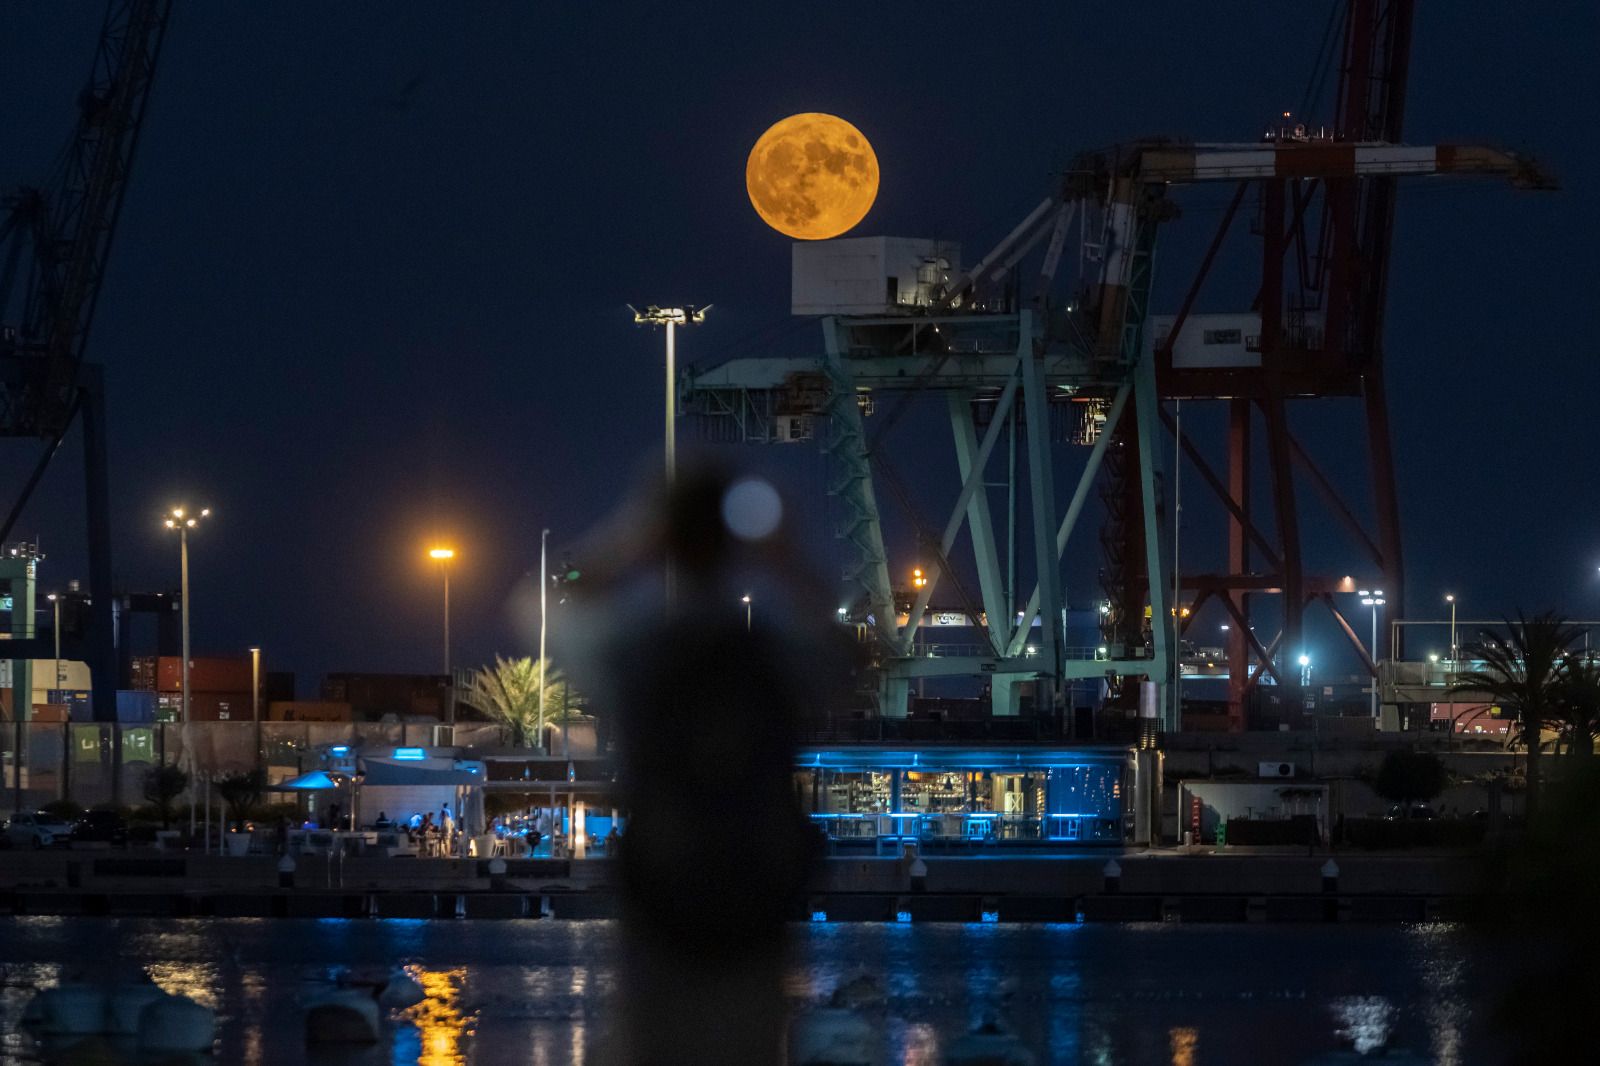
[{"x": 708, "y": 714}]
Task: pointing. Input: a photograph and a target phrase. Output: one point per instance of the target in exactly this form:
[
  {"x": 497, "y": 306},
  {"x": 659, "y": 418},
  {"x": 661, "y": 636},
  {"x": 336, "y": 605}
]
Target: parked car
[
  {"x": 107, "y": 827},
  {"x": 1415, "y": 812},
  {"x": 36, "y": 829}
]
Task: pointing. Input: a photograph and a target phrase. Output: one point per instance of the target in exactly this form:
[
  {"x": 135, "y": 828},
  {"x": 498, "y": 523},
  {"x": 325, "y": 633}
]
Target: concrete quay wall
[{"x": 1150, "y": 887}]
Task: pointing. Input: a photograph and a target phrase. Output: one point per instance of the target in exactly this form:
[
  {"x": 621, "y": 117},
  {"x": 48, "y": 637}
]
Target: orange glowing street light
[
  {"x": 443, "y": 557},
  {"x": 918, "y": 578}
]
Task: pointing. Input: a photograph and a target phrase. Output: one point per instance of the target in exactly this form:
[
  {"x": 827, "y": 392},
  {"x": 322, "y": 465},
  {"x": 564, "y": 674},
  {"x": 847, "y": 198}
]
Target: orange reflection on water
[
  {"x": 197, "y": 980},
  {"x": 922, "y": 1045},
  {"x": 1184, "y": 1042},
  {"x": 440, "y": 1021}
]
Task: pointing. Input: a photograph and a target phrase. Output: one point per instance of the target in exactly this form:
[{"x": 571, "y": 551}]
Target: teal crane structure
[{"x": 1032, "y": 346}]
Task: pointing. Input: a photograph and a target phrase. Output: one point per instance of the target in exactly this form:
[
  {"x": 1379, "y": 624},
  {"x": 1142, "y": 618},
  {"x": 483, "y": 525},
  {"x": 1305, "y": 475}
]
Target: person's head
[{"x": 382, "y": 817}]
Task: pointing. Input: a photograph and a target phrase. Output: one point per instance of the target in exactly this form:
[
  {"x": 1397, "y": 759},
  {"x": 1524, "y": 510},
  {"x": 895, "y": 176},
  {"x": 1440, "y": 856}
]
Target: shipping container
[
  {"x": 308, "y": 711},
  {"x": 135, "y": 705},
  {"x": 45, "y": 674},
  {"x": 210, "y": 674},
  {"x": 371, "y": 696},
  {"x": 206, "y": 706},
  {"x": 142, "y": 673}
]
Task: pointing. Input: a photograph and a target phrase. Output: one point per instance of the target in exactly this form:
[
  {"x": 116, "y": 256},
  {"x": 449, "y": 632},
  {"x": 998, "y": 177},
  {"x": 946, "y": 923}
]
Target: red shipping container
[
  {"x": 205, "y": 675},
  {"x": 214, "y": 706}
]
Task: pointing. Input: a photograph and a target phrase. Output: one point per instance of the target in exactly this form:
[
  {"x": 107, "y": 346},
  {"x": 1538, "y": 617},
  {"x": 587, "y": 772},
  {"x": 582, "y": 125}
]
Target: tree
[
  {"x": 1523, "y": 673},
  {"x": 240, "y": 791},
  {"x": 1410, "y": 777},
  {"x": 509, "y": 692},
  {"x": 162, "y": 785},
  {"x": 1577, "y": 706}
]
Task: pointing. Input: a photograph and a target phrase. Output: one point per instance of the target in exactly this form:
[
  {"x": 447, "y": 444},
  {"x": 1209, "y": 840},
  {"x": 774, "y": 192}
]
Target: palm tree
[
  {"x": 240, "y": 791},
  {"x": 509, "y": 692},
  {"x": 162, "y": 785},
  {"x": 1523, "y": 673},
  {"x": 1577, "y": 710}
]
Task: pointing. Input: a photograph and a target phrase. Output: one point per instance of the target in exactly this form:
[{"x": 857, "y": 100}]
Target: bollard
[
  {"x": 915, "y": 868},
  {"x": 1330, "y": 876},
  {"x": 286, "y": 872},
  {"x": 1113, "y": 872}
]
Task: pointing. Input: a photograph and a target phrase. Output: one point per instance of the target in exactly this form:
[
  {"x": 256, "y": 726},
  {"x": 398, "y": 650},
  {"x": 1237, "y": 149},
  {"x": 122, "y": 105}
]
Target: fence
[{"x": 106, "y": 763}]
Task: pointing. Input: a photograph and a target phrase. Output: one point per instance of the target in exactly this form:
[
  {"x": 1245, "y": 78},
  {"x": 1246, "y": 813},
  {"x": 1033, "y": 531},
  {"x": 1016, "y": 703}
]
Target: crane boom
[
  {"x": 69, "y": 224},
  {"x": 55, "y": 239}
]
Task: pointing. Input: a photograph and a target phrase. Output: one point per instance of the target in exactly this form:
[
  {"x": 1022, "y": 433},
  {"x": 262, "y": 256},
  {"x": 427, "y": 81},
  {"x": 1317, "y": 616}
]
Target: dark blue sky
[{"x": 369, "y": 281}]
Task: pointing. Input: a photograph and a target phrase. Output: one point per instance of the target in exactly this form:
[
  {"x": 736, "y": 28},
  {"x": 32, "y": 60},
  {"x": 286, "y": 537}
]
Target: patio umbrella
[{"x": 315, "y": 781}]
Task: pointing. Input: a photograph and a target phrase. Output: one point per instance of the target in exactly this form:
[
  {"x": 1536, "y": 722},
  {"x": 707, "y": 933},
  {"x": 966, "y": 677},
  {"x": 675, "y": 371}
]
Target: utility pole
[
  {"x": 255, "y": 704},
  {"x": 544, "y": 599}
]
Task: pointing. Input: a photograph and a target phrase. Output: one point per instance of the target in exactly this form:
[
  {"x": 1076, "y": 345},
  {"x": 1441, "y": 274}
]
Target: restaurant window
[{"x": 852, "y": 792}]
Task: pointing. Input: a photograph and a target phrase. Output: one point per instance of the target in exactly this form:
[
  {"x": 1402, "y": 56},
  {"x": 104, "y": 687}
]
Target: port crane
[
  {"x": 55, "y": 239},
  {"x": 1033, "y": 347}
]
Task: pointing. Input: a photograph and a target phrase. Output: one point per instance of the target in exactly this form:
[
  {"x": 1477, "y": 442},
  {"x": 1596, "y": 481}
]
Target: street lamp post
[
  {"x": 255, "y": 704},
  {"x": 183, "y": 521},
  {"x": 1451, "y": 600},
  {"x": 672, "y": 318},
  {"x": 443, "y": 557},
  {"x": 55, "y": 627},
  {"x": 747, "y": 609},
  {"x": 1373, "y": 599},
  {"x": 544, "y": 589}
]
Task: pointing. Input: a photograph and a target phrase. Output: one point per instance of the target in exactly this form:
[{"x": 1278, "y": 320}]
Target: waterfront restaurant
[{"x": 966, "y": 799}]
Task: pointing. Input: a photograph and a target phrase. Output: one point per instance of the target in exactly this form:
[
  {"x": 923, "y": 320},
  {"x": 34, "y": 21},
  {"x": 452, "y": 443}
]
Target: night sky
[{"x": 369, "y": 283}]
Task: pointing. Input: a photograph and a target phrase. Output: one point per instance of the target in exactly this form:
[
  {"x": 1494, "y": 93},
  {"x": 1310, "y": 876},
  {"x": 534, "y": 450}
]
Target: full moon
[{"x": 812, "y": 176}]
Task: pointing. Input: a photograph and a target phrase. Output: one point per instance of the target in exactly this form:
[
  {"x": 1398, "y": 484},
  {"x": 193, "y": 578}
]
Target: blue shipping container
[{"x": 136, "y": 705}]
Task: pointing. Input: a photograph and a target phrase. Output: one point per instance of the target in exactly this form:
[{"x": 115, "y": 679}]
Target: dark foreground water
[{"x": 536, "y": 992}]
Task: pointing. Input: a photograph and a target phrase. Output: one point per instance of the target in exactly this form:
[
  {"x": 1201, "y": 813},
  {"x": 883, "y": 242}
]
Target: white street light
[
  {"x": 55, "y": 601},
  {"x": 183, "y": 520},
  {"x": 747, "y": 609},
  {"x": 672, "y": 318},
  {"x": 1450, "y": 598},
  {"x": 1373, "y": 599}
]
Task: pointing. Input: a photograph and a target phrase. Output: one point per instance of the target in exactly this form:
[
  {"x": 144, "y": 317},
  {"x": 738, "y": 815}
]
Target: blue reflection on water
[{"x": 537, "y": 990}]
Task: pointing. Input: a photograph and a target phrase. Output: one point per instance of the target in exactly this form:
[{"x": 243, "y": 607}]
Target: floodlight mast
[{"x": 672, "y": 318}]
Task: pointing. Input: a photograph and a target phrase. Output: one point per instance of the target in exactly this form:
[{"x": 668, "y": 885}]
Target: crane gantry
[
  {"x": 54, "y": 242},
  {"x": 1016, "y": 340}
]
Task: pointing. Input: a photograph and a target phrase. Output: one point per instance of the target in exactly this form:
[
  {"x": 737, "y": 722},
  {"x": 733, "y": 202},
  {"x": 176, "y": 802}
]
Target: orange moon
[{"x": 812, "y": 176}]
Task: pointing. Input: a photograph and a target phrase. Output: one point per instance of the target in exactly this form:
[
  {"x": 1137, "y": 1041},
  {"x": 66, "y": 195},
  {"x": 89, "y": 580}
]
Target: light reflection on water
[
  {"x": 442, "y": 1028},
  {"x": 536, "y": 991}
]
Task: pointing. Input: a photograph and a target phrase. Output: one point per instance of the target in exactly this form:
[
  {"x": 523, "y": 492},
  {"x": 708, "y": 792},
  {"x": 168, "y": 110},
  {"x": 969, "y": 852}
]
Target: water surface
[{"x": 536, "y": 992}]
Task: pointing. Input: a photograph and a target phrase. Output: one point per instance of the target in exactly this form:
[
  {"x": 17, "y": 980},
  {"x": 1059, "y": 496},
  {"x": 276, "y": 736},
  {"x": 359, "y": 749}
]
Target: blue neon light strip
[{"x": 410, "y": 754}]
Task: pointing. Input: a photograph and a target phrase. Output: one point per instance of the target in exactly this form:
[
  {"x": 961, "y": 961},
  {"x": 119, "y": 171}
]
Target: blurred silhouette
[{"x": 716, "y": 847}]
